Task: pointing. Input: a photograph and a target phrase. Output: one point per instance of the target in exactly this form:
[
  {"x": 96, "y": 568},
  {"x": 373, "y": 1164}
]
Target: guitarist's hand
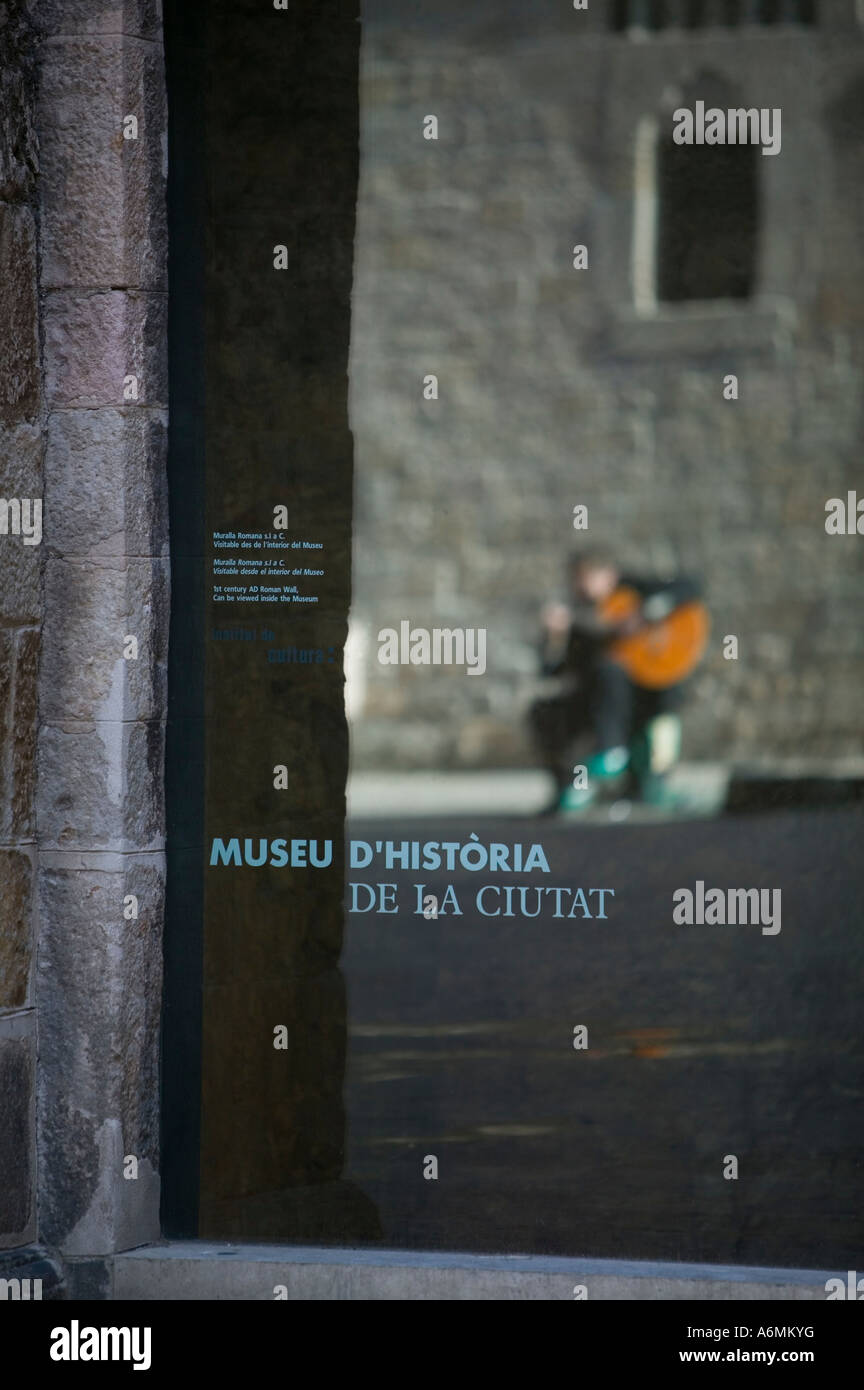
[
  {"x": 634, "y": 623},
  {"x": 556, "y": 619}
]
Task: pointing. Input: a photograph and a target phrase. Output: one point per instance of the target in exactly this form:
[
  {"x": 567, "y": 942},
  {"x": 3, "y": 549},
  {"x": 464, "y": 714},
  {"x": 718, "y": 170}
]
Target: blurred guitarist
[{"x": 623, "y": 648}]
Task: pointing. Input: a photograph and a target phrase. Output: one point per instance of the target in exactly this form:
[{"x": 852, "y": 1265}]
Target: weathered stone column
[
  {"x": 20, "y": 603},
  {"x": 102, "y": 684}
]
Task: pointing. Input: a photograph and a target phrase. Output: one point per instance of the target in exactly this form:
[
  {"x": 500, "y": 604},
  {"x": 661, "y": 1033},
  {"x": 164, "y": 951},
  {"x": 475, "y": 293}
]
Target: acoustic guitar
[{"x": 662, "y": 653}]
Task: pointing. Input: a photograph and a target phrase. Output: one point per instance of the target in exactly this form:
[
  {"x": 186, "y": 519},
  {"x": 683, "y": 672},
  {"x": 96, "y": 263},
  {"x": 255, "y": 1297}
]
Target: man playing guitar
[{"x": 623, "y": 648}]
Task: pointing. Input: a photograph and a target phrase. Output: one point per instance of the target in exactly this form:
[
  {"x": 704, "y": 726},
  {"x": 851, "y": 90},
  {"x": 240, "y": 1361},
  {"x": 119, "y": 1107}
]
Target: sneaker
[
  {"x": 610, "y": 762},
  {"x": 605, "y": 767},
  {"x": 576, "y": 798},
  {"x": 654, "y": 790}
]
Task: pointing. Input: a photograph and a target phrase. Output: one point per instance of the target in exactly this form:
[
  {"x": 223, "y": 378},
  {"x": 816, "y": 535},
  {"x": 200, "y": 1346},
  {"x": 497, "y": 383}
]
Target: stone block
[
  {"x": 106, "y": 483},
  {"x": 101, "y": 785},
  {"x": 19, "y": 151},
  {"x": 95, "y": 339},
  {"x": 19, "y": 654},
  {"x": 104, "y": 220},
  {"x": 22, "y": 735},
  {"x": 199, "y": 1270},
  {"x": 89, "y": 1280},
  {"x": 105, "y": 976},
  {"x": 99, "y": 1032},
  {"x": 17, "y": 1136},
  {"x": 141, "y": 18},
  {"x": 7, "y": 640},
  {"x": 20, "y": 565},
  {"x": 41, "y": 1270},
  {"x": 91, "y": 608},
  {"x": 87, "y": 1207},
  {"x": 19, "y": 314},
  {"x": 16, "y": 890}
]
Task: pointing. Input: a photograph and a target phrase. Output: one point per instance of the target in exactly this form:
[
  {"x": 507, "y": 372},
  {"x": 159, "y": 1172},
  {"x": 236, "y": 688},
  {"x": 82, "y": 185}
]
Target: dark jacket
[{"x": 586, "y": 642}]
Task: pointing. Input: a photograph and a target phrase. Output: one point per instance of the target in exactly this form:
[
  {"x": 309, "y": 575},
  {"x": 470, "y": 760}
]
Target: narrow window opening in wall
[{"x": 707, "y": 221}]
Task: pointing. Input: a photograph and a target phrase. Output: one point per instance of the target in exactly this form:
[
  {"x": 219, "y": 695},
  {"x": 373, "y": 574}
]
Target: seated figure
[{"x": 622, "y": 648}]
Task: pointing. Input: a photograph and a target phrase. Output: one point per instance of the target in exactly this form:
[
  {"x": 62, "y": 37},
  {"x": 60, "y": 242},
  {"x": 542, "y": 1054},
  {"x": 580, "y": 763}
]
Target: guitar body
[{"x": 663, "y": 653}]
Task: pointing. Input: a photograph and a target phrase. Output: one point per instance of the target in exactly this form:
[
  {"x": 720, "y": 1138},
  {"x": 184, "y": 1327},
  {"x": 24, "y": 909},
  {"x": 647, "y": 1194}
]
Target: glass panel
[{"x": 581, "y": 971}]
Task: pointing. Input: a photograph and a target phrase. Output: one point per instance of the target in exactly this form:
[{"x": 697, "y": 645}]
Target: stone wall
[
  {"x": 82, "y": 303},
  {"x": 554, "y": 391},
  {"x": 21, "y": 454},
  {"x": 101, "y": 700},
  {"x": 84, "y": 270}
]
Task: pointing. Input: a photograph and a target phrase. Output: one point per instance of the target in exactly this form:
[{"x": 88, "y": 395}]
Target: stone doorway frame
[{"x": 100, "y": 809}]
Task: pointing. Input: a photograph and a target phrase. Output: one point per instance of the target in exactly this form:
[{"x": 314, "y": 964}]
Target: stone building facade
[{"x": 560, "y": 386}]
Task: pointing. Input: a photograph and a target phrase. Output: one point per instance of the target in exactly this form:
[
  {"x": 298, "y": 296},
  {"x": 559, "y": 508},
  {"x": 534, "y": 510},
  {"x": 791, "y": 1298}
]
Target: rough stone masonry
[{"x": 82, "y": 300}]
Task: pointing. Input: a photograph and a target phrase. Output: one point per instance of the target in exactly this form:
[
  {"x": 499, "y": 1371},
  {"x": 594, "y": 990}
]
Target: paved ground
[
  {"x": 516, "y": 792},
  {"x": 703, "y": 1042}
]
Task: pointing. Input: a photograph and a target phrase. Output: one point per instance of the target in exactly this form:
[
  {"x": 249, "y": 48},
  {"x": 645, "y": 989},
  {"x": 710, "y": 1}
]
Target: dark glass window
[{"x": 708, "y": 221}]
